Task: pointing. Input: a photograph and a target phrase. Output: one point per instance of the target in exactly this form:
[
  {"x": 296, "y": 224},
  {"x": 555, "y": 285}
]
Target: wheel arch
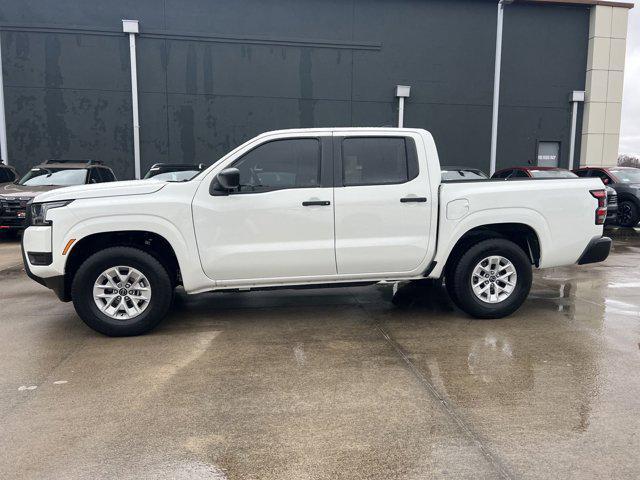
[
  {"x": 150, "y": 242},
  {"x": 523, "y": 235},
  {"x": 630, "y": 197}
]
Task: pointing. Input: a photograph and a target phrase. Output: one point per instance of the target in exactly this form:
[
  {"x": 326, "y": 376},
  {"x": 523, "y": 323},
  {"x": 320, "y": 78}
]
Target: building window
[{"x": 548, "y": 154}]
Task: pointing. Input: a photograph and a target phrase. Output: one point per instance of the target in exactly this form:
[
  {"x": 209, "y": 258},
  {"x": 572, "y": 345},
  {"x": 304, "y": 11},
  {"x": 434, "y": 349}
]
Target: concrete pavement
[{"x": 331, "y": 383}]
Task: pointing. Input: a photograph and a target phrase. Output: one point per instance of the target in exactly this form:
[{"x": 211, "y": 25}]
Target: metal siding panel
[
  {"x": 66, "y": 123},
  {"x": 83, "y": 12},
  {"x": 319, "y": 19},
  {"x": 445, "y": 53},
  {"x": 258, "y": 70},
  {"x": 202, "y": 128},
  {"x": 68, "y": 94},
  {"x": 539, "y": 72}
]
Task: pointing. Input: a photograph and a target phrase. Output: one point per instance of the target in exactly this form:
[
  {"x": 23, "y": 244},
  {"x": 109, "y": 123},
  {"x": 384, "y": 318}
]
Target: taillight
[{"x": 601, "y": 211}]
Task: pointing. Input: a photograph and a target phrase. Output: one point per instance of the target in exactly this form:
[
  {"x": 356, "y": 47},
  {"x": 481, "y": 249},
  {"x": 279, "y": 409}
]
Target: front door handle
[
  {"x": 322, "y": 203},
  {"x": 413, "y": 199}
]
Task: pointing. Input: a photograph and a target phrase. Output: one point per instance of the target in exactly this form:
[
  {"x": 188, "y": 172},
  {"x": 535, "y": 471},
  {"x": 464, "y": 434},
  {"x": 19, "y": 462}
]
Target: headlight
[{"x": 39, "y": 211}]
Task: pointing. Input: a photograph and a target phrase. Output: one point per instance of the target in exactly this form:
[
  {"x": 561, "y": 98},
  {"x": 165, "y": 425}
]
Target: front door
[
  {"x": 279, "y": 224},
  {"x": 382, "y": 204}
]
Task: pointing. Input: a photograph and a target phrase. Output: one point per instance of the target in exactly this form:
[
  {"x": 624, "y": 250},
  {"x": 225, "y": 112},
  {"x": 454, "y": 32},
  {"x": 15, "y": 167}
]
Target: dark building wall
[
  {"x": 543, "y": 60},
  {"x": 213, "y": 73}
]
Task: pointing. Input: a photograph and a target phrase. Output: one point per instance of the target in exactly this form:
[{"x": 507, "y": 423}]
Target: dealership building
[{"x": 188, "y": 80}]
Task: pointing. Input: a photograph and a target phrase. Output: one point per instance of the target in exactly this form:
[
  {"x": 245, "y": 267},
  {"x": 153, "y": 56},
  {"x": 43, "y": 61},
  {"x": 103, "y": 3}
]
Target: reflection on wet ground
[{"x": 388, "y": 381}]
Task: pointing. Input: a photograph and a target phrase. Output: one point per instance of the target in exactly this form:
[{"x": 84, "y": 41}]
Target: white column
[
  {"x": 402, "y": 92},
  {"x": 576, "y": 97},
  {"x": 496, "y": 89},
  {"x": 131, "y": 27},
  {"x": 3, "y": 124},
  {"x": 604, "y": 79}
]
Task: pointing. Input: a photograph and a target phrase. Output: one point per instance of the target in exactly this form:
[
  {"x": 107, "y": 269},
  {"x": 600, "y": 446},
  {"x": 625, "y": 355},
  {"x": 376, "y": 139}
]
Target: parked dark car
[
  {"x": 8, "y": 174},
  {"x": 452, "y": 173},
  {"x": 47, "y": 176},
  {"x": 533, "y": 172},
  {"x": 626, "y": 182},
  {"x": 557, "y": 172},
  {"x": 174, "y": 172}
]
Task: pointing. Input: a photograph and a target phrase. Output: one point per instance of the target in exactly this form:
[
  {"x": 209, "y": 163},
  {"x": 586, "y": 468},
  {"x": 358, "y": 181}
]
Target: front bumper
[
  {"x": 56, "y": 283},
  {"x": 12, "y": 223},
  {"x": 597, "y": 251},
  {"x": 13, "y": 214}
]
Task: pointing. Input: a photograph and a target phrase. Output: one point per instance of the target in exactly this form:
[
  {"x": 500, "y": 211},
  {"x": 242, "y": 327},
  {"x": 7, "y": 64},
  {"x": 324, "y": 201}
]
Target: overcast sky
[{"x": 630, "y": 129}]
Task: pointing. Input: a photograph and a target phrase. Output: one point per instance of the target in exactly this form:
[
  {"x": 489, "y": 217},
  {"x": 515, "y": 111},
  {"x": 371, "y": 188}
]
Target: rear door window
[{"x": 378, "y": 160}]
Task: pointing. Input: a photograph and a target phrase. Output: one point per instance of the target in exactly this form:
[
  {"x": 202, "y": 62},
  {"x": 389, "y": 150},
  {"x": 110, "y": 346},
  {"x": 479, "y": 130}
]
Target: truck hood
[
  {"x": 100, "y": 190},
  {"x": 13, "y": 190}
]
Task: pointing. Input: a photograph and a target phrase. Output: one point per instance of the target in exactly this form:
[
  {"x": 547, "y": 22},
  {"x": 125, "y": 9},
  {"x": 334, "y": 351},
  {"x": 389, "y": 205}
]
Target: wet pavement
[
  {"x": 9, "y": 252},
  {"x": 331, "y": 383}
]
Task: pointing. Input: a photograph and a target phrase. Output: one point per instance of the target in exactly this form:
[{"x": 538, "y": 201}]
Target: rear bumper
[{"x": 597, "y": 251}]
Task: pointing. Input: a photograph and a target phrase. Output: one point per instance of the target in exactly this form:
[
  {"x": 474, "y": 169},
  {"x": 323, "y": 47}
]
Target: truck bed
[{"x": 561, "y": 212}]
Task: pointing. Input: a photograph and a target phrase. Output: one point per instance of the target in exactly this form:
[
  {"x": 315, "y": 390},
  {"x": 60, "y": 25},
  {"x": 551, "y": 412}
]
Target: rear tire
[
  {"x": 123, "y": 264},
  {"x": 491, "y": 279},
  {"x": 628, "y": 214}
]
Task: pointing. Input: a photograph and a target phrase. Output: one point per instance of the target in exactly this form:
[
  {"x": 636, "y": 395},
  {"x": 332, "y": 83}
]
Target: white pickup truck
[{"x": 308, "y": 207}]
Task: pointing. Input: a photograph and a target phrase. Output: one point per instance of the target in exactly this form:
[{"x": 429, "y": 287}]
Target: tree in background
[{"x": 625, "y": 160}]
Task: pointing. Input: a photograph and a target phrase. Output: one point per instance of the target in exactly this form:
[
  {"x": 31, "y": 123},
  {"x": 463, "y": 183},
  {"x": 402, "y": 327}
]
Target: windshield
[
  {"x": 462, "y": 174},
  {"x": 179, "y": 176},
  {"x": 627, "y": 175},
  {"x": 55, "y": 176},
  {"x": 552, "y": 174}
]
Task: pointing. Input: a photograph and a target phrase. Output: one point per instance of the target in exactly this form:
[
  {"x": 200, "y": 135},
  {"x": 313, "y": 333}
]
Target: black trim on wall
[{"x": 193, "y": 36}]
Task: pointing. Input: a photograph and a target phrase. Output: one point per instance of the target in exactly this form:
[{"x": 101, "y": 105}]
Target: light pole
[{"x": 496, "y": 86}]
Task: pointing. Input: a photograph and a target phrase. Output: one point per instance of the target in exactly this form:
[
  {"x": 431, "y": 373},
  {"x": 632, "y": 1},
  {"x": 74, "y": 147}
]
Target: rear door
[{"x": 382, "y": 211}]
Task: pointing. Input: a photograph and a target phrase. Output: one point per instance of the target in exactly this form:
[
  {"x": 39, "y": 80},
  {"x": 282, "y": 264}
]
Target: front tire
[
  {"x": 628, "y": 214},
  {"x": 122, "y": 291},
  {"x": 491, "y": 279}
]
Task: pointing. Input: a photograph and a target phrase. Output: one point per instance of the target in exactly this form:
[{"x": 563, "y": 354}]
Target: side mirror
[
  {"x": 605, "y": 181},
  {"x": 227, "y": 180}
]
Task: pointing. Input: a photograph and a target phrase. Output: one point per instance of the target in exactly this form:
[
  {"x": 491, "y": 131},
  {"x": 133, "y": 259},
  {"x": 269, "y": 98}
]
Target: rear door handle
[
  {"x": 413, "y": 199},
  {"x": 322, "y": 203}
]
